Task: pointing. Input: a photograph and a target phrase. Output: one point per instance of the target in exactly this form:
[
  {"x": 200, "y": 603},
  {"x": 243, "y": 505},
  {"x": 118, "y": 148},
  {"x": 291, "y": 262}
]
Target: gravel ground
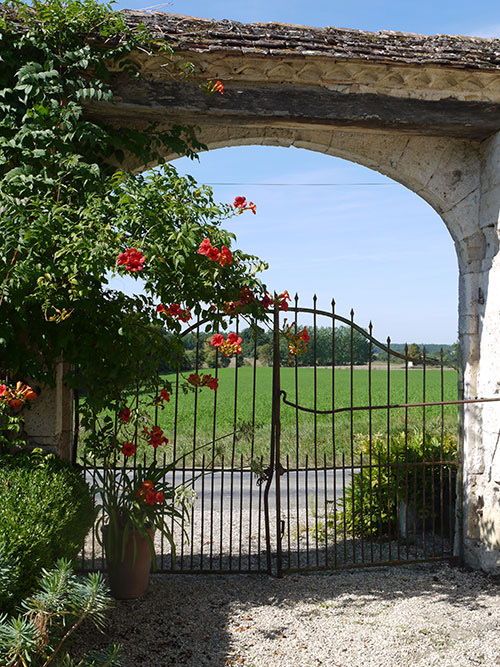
[{"x": 407, "y": 615}]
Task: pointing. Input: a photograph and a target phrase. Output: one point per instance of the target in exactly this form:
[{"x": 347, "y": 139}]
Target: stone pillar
[
  {"x": 49, "y": 420},
  {"x": 480, "y": 342}
]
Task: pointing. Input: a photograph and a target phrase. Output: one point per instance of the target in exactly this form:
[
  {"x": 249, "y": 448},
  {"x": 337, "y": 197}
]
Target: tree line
[
  {"x": 257, "y": 343},
  {"x": 196, "y": 351}
]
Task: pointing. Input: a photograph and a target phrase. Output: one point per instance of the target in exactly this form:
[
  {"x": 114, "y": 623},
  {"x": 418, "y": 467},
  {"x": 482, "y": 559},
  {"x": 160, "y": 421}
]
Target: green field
[{"x": 246, "y": 397}]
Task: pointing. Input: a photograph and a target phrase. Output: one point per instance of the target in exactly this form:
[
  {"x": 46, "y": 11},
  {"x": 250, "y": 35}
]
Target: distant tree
[
  {"x": 360, "y": 348},
  {"x": 265, "y": 354},
  {"x": 252, "y": 336},
  {"x": 188, "y": 361},
  {"x": 208, "y": 355},
  {"x": 451, "y": 356},
  {"x": 414, "y": 352}
]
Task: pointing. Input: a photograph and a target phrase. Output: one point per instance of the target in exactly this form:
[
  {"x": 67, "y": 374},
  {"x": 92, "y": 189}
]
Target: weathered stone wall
[
  {"x": 49, "y": 418},
  {"x": 480, "y": 339}
]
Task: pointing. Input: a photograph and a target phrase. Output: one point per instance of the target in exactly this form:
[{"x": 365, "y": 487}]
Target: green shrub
[
  {"x": 45, "y": 512},
  {"x": 7, "y": 580},
  {"x": 39, "y": 635},
  {"x": 370, "y": 503}
]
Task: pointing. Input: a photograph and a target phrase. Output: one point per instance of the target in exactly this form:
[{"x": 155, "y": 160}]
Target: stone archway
[{"x": 423, "y": 110}]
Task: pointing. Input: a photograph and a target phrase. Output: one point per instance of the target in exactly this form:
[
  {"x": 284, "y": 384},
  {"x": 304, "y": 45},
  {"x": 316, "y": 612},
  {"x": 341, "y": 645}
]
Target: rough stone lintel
[{"x": 302, "y": 104}]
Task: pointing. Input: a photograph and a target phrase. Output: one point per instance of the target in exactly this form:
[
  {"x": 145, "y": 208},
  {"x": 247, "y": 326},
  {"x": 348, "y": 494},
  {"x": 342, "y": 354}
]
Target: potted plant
[
  {"x": 134, "y": 502},
  {"x": 135, "y": 507}
]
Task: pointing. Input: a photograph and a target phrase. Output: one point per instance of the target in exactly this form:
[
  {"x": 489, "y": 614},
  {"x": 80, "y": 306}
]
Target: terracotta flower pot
[{"x": 129, "y": 576}]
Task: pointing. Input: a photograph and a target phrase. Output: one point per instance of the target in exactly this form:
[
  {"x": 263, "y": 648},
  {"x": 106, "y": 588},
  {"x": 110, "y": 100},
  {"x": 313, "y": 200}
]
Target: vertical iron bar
[
  {"x": 212, "y": 470},
  {"x": 233, "y": 454},
  {"x": 315, "y": 375},
  {"x": 277, "y": 444},
  {"x": 221, "y": 516},
  {"x": 441, "y": 456},
  {"x": 344, "y": 507},
  {"x": 389, "y": 467},
  {"x": 397, "y": 495},
  {"x": 288, "y": 511},
  {"x": 433, "y": 497},
  {"x": 173, "y": 525},
  {"x": 297, "y": 439},
  {"x": 380, "y": 523},
  {"x": 457, "y": 542},
  {"x": 252, "y": 449},
  {"x": 274, "y": 453},
  {"x": 163, "y": 555},
  {"x": 370, "y": 439},
  {"x": 240, "y": 531},
  {"x": 361, "y": 504},
  {"x": 351, "y": 432},
  {"x": 194, "y": 452},
  {"x": 306, "y": 503},
  {"x": 202, "y": 516},
  {"x": 406, "y": 456},
  {"x": 325, "y": 500},
  {"x": 259, "y": 521},
  {"x": 424, "y": 428},
  {"x": 334, "y": 453},
  {"x": 183, "y": 521}
]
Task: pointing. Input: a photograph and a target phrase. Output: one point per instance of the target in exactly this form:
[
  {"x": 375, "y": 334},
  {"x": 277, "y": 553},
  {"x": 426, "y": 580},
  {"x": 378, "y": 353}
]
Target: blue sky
[{"x": 362, "y": 239}]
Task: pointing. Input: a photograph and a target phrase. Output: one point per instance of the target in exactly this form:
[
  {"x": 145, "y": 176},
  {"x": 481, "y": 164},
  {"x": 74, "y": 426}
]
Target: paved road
[{"x": 295, "y": 487}]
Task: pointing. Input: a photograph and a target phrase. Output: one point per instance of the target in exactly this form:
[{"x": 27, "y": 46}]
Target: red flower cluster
[
  {"x": 147, "y": 493},
  {"x": 16, "y": 398},
  {"x": 217, "y": 87},
  {"x": 217, "y": 340},
  {"x": 163, "y": 397},
  {"x": 241, "y": 203},
  {"x": 156, "y": 437},
  {"x": 246, "y": 297},
  {"x": 281, "y": 300},
  {"x": 132, "y": 259},
  {"x": 297, "y": 340},
  {"x": 128, "y": 448},
  {"x": 203, "y": 380},
  {"x": 125, "y": 415},
  {"x": 222, "y": 256},
  {"x": 174, "y": 310},
  {"x": 229, "y": 346}
]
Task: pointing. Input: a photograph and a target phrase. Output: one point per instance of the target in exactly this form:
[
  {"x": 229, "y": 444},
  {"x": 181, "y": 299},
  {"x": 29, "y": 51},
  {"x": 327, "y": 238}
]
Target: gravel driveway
[{"x": 407, "y": 615}]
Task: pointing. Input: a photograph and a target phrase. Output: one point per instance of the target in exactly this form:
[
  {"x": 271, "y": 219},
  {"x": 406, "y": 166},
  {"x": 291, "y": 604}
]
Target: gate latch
[{"x": 264, "y": 475}]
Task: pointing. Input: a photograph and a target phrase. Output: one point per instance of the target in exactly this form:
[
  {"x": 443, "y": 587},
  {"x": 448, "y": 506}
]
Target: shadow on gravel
[{"x": 192, "y": 619}]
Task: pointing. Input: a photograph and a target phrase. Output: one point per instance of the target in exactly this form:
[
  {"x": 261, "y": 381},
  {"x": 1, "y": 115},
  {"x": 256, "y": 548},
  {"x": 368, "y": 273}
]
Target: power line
[{"x": 299, "y": 185}]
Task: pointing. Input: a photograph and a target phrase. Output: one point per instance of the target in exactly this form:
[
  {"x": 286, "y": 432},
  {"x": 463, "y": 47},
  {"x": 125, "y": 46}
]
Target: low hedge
[
  {"x": 369, "y": 507},
  {"x": 46, "y": 510}
]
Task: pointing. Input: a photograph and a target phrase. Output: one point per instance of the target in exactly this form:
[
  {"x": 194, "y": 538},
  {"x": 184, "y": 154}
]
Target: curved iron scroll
[{"x": 390, "y": 406}]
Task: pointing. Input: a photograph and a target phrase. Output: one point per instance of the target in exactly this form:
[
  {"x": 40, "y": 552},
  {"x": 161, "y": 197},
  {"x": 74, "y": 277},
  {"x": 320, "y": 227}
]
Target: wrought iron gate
[{"x": 360, "y": 465}]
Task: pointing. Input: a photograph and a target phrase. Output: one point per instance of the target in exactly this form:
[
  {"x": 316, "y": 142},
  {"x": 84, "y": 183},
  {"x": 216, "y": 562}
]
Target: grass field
[{"x": 246, "y": 397}]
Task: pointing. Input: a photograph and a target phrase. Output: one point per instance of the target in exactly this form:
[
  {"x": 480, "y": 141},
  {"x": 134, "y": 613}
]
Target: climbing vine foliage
[{"x": 69, "y": 207}]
